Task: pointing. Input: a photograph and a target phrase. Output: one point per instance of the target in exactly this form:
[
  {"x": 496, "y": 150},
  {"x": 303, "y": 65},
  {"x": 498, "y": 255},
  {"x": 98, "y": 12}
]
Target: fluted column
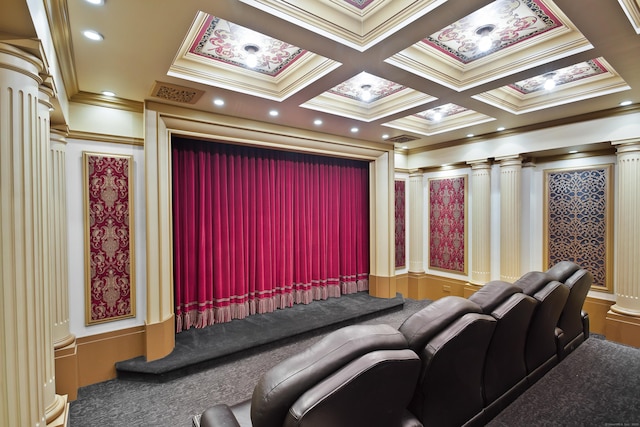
[
  {"x": 627, "y": 253},
  {"x": 480, "y": 222},
  {"x": 416, "y": 217},
  {"x": 27, "y": 378},
  {"x": 59, "y": 255},
  {"x": 510, "y": 217}
]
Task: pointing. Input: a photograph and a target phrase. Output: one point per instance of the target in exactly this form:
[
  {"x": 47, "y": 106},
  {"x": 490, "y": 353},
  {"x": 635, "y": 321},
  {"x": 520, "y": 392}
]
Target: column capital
[
  {"x": 416, "y": 173},
  {"x": 479, "y": 164},
  {"x": 626, "y": 145},
  {"x": 514, "y": 160}
]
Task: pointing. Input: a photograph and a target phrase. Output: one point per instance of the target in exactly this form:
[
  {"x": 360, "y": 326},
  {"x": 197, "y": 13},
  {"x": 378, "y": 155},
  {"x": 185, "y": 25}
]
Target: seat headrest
[
  {"x": 281, "y": 385},
  {"x": 581, "y": 278},
  {"x": 532, "y": 282},
  {"x": 562, "y": 270},
  {"x": 421, "y": 326},
  {"x": 492, "y": 294}
]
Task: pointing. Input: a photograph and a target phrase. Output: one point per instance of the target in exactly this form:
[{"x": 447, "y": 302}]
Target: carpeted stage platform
[{"x": 198, "y": 349}]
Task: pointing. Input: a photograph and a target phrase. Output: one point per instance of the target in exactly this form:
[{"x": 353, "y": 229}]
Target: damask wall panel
[
  {"x": 578, "y": 223},
  {"x": 448, "y": 224},
  {"x": 401, "y": 218},
  {"x": 109, "y": 257}
]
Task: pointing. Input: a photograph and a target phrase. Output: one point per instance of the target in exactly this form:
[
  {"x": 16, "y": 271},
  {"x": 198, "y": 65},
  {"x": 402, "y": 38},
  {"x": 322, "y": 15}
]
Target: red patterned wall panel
[
  {"x": 400, "y": 229},
  {"x": 447, "y": 224},
  {"x": 109, "y": 265}
]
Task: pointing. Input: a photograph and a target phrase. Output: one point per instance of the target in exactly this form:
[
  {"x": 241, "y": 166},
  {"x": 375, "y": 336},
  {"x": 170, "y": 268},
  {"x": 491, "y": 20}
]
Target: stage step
[{"x": 198, "y": 349}]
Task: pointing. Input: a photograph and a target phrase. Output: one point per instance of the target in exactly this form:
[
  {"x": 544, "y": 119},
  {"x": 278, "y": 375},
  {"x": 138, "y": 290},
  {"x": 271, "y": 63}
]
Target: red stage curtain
[{"x": 256, "y": 230}]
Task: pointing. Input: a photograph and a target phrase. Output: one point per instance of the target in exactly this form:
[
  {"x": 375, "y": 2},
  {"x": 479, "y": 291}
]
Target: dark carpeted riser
[{"x": 198, "y": 349}]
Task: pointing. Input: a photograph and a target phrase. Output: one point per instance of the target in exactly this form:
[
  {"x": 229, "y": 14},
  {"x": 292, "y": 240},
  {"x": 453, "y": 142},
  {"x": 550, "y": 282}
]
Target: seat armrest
[
  {"x": 218, "y": 416},
  {"x": 585, "y": 324}
]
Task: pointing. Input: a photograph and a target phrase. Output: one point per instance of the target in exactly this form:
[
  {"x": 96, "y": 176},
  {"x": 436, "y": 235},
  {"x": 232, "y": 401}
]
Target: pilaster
[
  {"x": 480, "y": 222},
  {"x": 510, "y": 217}
]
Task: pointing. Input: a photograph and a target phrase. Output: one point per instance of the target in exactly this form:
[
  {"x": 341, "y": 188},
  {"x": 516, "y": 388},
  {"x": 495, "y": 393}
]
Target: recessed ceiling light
[
  {"x": 354, "y": 129},
  {"x": 573, "y": 151},
  {"x": 469, "y": 135},
  {"x": 404, "y": 147},
  {"x": 93, "y": 35},
  {"x": 96, "y": 2},
  {"x": 317, "y": 122},
  {"x": 108, "y": 93},
  {"x": 625, "y": 103},
  {"x": 385, "y": 136},
  {"x": 501, "y": 128},
  {"x": 273, "y": 113},
  {"x": 219, "y": 102}
]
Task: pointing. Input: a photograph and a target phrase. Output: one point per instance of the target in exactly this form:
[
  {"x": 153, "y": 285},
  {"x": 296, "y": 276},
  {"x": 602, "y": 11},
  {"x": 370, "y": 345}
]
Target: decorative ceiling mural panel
[
  {"x": 359, "y": 24},
  {"x": 217, "y": 52},
  {"x": 366, "y": 88},
  {"x": 580, "y": 81},
  {"x": 367, "y": 97},
  {"x": 560, "y": 77},
  {"x": 360, "y": 4},
  {"x": 439, "y": 119},
  {"x": 521, "y": 35},
  {"x": 232, "y": 44},
  {"x": 506, "y": 22}
]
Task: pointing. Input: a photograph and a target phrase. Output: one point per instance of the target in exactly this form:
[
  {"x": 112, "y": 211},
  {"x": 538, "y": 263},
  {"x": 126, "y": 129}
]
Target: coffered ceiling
[{"x": 410, "y": 72}]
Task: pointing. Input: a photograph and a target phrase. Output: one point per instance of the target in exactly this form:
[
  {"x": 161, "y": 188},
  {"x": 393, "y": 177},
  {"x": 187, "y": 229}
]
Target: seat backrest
[
  {"x": 449, "y": 390},
  {"x": 562, "y": 270},
  {"x": 283, "y": 384},
  {"x": 373, "y": 390},
  {"x": 570, "y": 321},
  {"x": 492, "y": 294},
  {"x": 505, "y": 364},
  {"x": 423, "y": 325},
  {"x": 541, "y": 340},
  {"x": 532, "y": 282}
]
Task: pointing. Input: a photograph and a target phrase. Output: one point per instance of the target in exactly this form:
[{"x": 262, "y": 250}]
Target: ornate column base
[{"x": 58, "y": 413}]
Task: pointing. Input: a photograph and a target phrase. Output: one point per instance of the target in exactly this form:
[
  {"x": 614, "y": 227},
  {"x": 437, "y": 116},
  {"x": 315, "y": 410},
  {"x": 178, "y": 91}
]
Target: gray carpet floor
[{"x": 597, "y": 385}]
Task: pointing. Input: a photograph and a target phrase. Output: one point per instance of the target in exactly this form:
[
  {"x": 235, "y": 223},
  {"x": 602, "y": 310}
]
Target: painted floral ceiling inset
[
  {"x": 584, "y": 80},
  {"x": 507, "y": 22},
  {"x": 227, "y": 42},
  {"x": 367, "y": 97},
  {"x": 523, "y": 34},
  {"x": 216, "y": 52},
  {"x": 439, "y": 119}
]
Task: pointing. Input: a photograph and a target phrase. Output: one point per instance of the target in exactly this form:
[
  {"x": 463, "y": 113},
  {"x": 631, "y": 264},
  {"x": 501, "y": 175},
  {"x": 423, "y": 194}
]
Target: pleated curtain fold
[{"x": 256, "y": 230}]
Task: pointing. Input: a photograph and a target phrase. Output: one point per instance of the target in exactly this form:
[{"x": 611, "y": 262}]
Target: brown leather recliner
[
  {"x": 368, "y": 366},
  {"x": 540, "y": 348},
  {"x": 505, "y": 371},
  {"x": 573, "y": 325}
]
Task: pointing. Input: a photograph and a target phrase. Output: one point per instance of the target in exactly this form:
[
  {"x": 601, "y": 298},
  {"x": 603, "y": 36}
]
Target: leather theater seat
[{"x": 336, "y": 381}]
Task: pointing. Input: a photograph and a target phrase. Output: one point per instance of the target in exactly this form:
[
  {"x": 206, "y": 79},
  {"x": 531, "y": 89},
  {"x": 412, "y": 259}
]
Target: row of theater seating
[{"x": 456, "y": 362}]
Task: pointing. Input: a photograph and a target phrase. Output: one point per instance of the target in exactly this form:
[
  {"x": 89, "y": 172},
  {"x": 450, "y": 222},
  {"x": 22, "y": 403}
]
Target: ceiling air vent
[
  {"x": 401, "y": 139},
  {"x": 175, "y": 93}
]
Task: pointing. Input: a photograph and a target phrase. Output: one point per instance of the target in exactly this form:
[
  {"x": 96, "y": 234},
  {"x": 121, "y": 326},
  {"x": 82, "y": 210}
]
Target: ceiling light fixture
[
  {"x": 108, "y": 93},
  {"x": 354, "y": 129},
  {"x": 219, "y": 102},
  {"x": 501, "y": 128},
  {"x": 93, "y": 35},
  {"x": 469, "y": 135},
  {"x": 96, "y": 2},
  {"x": 573, "y": 151},
  {"x": 317, "y": 122},
  {"x": 625, "y": 103},
  {"x": 273, "y": 113},
  {"x": 485, "y": 41},
  {"x": 437, "y": 115},
  {"x": 385, "y": 136},
  {"x": 366, "y": 94},
  {"x": 549, "y": 81},
  {"x": 251, "y": 59}
]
